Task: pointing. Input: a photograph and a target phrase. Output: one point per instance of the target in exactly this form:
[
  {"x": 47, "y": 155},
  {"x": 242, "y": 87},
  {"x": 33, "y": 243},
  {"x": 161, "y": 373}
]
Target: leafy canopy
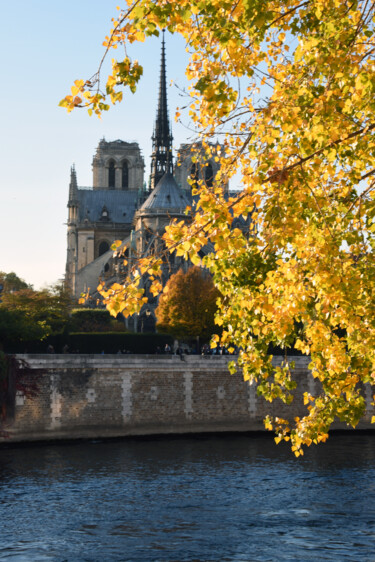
[
  {"x": 26, "y": 314},
  {"x": 11, "y": 282},
  {"x": 288, "y": 87},
  {"x": 187, "y": 306}
]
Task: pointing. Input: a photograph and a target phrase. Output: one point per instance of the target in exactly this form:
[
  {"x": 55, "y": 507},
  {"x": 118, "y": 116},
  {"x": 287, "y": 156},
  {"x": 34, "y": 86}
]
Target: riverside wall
[{"x": 97, "y": 396}]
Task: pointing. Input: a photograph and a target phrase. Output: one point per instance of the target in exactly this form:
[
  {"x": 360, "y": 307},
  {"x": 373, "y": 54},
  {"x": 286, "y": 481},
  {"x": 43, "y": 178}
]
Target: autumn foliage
[
  {"x": 188, "y": 305},
  {"x": 289, "y": 87}
]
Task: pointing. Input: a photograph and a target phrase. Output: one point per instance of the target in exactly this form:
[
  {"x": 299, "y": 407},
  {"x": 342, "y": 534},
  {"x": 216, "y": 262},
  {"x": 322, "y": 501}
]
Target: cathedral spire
[
  {"x": 161, "y": 158},
  {"x": 73, "y": 186}
]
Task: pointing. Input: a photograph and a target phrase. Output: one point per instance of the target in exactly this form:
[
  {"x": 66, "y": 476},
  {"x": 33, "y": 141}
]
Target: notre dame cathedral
[{"x": 119, "y": 206}]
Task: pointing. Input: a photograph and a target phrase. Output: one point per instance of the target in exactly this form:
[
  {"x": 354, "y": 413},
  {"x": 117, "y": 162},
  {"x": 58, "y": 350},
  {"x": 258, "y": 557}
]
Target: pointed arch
[
  {"x": 103, "y": 247},
  {"x": 111, "y": 174},
  {"x": 124, "y": 175}
]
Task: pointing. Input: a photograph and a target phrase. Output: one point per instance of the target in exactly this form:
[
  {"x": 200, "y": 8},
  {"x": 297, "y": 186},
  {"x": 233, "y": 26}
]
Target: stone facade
[
  {"x": 192, "y": 163},
  {"x": 99, "y": 396},
  {"x": 118, "y": 165},
  {"x": 110, "y": 209}
]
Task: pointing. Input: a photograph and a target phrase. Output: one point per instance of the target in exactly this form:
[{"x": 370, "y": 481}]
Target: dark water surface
[{"x": 199, "y": 499}]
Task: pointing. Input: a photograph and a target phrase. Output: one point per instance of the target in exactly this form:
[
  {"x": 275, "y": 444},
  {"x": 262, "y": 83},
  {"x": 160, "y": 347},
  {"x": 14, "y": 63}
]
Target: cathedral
[{"x": 119, "y": 206}]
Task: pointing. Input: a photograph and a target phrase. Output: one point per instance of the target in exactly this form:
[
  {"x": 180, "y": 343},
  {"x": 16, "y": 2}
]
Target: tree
[
  {"x": 16, "y": 326},
  {"x": 288, "y": 85},
  {"x": 187, "y": 305},
  {"x": 27, "y": 314},
  {"x": 11, "y": 282}
]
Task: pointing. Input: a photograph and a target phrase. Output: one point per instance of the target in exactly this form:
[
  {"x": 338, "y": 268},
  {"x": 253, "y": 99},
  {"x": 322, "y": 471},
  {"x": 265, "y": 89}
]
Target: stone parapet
[{"x": 96, "y": 396}]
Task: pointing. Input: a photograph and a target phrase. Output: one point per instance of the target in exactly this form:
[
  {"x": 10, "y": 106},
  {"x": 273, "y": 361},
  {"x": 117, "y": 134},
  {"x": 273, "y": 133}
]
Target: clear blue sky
[{"x": 45, "y": 46}]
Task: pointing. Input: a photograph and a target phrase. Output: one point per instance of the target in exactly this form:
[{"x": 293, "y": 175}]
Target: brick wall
[{"x": 118, "y": 395}]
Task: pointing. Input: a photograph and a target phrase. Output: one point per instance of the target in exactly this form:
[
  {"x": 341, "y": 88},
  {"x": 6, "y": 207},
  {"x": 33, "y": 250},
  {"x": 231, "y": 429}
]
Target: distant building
[{"x": 119, "y": 207}]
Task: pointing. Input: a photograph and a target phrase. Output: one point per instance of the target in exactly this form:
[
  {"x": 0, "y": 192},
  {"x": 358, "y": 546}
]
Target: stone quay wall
[{"x": 98, "y": 396}]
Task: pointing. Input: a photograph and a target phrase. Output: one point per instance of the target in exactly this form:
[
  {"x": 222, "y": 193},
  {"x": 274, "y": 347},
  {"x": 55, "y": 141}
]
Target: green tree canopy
[
  {"x": 29, "y": 315},
  {"x": 11, "y": 282}
]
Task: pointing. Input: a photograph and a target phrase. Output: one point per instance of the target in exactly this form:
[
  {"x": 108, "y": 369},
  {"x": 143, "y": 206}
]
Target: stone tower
[
  {"x": 193, "y": 165},
  {"x": 118, "y": 165},
  {"x": 100, "y": 215}
]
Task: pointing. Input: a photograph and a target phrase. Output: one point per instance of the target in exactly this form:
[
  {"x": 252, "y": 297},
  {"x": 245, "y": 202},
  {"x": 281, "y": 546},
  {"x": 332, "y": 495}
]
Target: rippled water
[{"x": 198, "y": 499}]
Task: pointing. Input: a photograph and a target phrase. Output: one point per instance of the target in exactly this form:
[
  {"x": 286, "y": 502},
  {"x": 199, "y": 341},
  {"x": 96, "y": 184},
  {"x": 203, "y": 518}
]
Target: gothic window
[
  {"x": 111, "y": 174},
  {"x": 125, "y": 175},
  {"x": 208, "y": 175},
  {"x": 103, "y": 248}
]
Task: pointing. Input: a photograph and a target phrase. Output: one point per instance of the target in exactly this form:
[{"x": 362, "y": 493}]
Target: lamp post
[{"x": 146, "y": 314}]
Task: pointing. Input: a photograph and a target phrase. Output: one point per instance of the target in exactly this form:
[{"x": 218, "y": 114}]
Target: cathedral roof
[
  {"x": 120, "y": 205},
  {"x": 166, "y": 195}
]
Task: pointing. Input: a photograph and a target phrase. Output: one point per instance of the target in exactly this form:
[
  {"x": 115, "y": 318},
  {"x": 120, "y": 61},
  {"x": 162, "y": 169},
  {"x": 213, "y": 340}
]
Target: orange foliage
[{"x": 187, "y": 306}]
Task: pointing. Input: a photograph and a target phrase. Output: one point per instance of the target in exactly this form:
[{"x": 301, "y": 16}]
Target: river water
[{"x": 219, "y": 498}]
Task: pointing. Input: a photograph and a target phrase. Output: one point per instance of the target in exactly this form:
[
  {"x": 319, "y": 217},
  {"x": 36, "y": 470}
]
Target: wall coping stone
[{"x": 128, "y": 361}]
